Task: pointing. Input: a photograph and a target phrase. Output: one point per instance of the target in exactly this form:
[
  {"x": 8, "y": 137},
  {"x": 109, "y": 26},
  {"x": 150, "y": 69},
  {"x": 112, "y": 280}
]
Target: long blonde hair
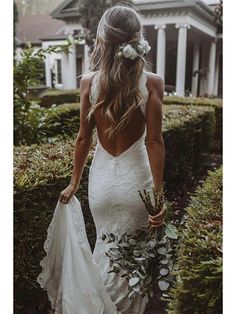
[{"x": 119, "y": 76}]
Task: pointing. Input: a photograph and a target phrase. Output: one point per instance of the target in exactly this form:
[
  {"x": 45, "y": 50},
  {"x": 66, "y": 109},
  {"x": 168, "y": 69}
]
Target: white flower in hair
[
  {"x": 129, "y": 52},
  {"x": 132, "y": 52},
  {"x": 143, "y": 47}
]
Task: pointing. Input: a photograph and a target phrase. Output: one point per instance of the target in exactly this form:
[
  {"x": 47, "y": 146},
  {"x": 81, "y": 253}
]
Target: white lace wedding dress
[{"x": 77, "y": 281}]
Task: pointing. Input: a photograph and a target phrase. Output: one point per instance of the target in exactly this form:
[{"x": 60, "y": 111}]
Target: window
[{"x": 58, "y": 71}]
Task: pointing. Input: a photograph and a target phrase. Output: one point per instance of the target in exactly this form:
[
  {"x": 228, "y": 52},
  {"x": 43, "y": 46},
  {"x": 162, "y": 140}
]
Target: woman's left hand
[{"x": 157, "y": 220}]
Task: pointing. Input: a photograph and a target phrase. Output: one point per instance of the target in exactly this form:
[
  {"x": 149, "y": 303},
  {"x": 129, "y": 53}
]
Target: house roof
[
  {"x": 69, "y": 8},
  {"x": 31, "y": 28}
]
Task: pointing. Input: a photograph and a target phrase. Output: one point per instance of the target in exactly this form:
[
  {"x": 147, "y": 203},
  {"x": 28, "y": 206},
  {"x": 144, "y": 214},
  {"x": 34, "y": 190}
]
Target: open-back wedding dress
[{"x": 77, "y": 281}]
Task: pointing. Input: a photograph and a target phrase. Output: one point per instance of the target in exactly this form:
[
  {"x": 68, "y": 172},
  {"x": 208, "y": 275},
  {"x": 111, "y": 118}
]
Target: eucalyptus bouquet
[{"x": 145, "y": 257}]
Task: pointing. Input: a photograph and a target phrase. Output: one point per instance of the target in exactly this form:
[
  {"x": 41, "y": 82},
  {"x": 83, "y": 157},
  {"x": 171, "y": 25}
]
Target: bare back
[{"x": 135, "y": 128}]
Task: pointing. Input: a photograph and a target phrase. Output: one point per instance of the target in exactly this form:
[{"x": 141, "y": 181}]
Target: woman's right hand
[{"x": 67, "y": 193}]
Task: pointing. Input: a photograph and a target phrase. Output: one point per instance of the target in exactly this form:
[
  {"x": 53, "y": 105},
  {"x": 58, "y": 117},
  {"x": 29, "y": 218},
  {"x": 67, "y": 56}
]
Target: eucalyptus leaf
[
  {"x": 131, "y": 294},
  {"x": 162, "y": 250},
  {"x": 152, "y": 243},
  {"x": 140, "y": 259},
  {"x": 132, "y": 242},
  {"x": 171, "y": 231},
  {"x": 163, "y": 284},
  {"x": 136, "y": 288},
  {"x": 133, "y": 281},
  {"x": 143, "y": 244},
  {"x": 164, "y": 261},
  {"x": 164, "y": 271}
]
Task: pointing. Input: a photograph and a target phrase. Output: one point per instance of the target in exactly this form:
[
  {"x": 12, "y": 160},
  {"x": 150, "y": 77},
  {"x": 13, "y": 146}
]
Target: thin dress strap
[
  {"x": 144, "y": 91},
  {"x": 94, "y": 89}
]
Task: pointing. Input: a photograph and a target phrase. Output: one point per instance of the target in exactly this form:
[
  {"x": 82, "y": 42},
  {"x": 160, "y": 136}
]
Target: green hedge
[
  {"x": 216, "y": 103},
  {"x": 42, "y": 171},
  {"x": 58, "y": 97},
  {"x": 199, "y": 101},
  {"x": 188, "y": 133},
  {"x": 52, "y": 124},
  {"x": 198, "y": 286},
  {"x": 62, "y": 121}
]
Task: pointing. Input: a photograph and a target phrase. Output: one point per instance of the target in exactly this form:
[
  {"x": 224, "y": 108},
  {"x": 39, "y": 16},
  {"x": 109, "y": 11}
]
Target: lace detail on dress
[{"x": 94, "y": 90}]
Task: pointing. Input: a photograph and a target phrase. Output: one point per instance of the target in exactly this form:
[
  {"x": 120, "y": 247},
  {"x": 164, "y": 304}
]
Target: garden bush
[
  {"x": 216, "y": 103},
  {"x": 188, "y": 133},
  {"x": 198, "y": 285},
  {"x": 27, "y": 74},
  {"x": 42, "y": 171},
  {"x": 50, "y": 124},
  {"x": 58, "y": 97}
]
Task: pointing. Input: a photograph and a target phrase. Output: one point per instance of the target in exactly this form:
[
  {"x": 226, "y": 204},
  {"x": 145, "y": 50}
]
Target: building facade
[{"x": 186, "y": 46}]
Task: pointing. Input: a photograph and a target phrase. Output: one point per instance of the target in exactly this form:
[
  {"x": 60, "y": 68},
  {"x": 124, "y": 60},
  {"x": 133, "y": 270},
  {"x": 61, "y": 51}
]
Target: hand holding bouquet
[{"x": 145, "y": 256}]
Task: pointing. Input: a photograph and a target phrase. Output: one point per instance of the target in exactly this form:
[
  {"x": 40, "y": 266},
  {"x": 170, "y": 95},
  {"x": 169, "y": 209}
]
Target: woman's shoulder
[
  {"x": 86, "y": 77},
  {"x": 154, "y": 80},
  {"x": 86, "y": 81}
]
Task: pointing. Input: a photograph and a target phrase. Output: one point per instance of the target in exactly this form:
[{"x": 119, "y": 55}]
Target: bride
[{"x": 124, "y": 103}]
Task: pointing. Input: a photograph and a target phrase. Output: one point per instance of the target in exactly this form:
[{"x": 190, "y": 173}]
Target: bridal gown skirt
[
  {"x": 117, "y": 208},
  {"x": 76, "y": 280}
]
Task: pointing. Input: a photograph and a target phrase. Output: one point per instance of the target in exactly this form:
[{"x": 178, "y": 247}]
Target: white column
[
  {"x": 48, "y": 71},
  {"x": 161, "y": 50},
  {"x": 217, "y": 74},
  {"x": 196, "y": 59},
  {"x": 64, "y": 69},
  {"x": 211, "y": 66},
  {"x": 86, "y": 59},
  {"x": 181, "y": 58},
  {"x": 72, "y": 64}
]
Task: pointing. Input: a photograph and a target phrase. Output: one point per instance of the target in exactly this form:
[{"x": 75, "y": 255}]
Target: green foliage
[
  {"x": 14, "y": 25},
  {"x": 199, "y": 101},
  {"x": 27, "y": 73},
  {"x": 215, "y": 103},
  {"x": 198, "y": 286},
  {"x": 91, "y": 12},
  {"x": 188, "y": 132},
  {"x": 144, "y": 257},
  {"x": 41, "y": 173},
  {"x": 51, "y": 124},
  {"x": 58, "y": 97}
]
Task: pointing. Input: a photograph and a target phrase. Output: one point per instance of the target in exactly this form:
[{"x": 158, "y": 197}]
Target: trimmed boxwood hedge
[
  {"x": 42, "y": 171},
  {"x": 198, "y": 285},
  {"x": 52, "y": 124},
  {"x": 61, "y": 121},
  {"x": 59, "y": 97},
  {"x": 216, "y": 103},
  {"x": 199, "y": 101}
]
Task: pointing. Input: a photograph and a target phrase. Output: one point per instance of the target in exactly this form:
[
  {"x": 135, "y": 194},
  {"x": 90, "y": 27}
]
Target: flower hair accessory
[{"x": 130, "y": 51}]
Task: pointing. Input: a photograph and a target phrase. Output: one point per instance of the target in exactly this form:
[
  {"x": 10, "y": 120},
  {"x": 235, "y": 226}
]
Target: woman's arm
[
  {"x": 154, "y": 140},
  {"x": 83, "y": 142}
]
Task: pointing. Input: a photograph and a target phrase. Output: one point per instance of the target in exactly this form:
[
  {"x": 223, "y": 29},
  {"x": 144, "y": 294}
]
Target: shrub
[
  {"x": 58, "y": 97},
  {"x": 216, "y": 103},
  {"x": 27, "y": 73},
  {"x": 198, "y": 286},
  {"x": 60, "y": 122},
  {"x": 188, "y": 133},
  {"x": 42, "y": 171},
  {"x": 199, "y": 101},
  {"x": 51, "y": 124}
]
